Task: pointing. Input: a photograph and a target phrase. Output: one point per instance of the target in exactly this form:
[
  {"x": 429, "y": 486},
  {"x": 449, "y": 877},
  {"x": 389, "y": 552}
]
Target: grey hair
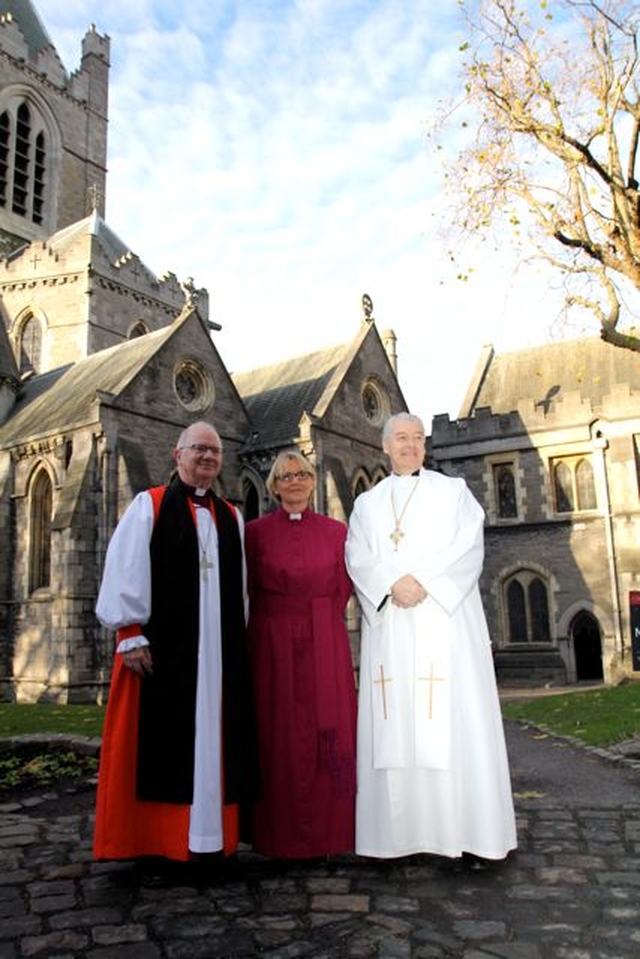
[
  {"x": 182, "y": 439},
  {"x": 388, "y": 428},
  {"x": 278, "y": 463}
]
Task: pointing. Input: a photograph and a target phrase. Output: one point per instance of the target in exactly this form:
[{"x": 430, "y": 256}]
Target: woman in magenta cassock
[{"x": 303, "y": 673}]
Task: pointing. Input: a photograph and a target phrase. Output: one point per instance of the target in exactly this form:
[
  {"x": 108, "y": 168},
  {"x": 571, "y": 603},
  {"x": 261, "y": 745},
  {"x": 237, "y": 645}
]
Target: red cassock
[
  {"x": 127, "y": 827},
  {"x": 304, "y": 685}
]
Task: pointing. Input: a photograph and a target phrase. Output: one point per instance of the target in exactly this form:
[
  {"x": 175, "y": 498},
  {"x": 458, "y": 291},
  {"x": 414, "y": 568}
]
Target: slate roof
[
  {"x": 92, "y": 225},
  {"x": 546, "y": 373},
  {"x": 64, "y": 398},
  {"x": 277, "y": 396},
  {"x": 24, "y": 13}
]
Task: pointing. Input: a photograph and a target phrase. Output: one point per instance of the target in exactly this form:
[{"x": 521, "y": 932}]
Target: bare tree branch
[{"x": 555, "y": 90}]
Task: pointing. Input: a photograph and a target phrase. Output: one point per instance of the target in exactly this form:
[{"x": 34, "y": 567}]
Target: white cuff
[{"x": 133, "y": 642}]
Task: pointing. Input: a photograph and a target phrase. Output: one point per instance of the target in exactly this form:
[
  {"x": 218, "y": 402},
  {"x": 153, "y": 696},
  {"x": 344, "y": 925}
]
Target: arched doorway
[
  {"x": 251, "y": 501},
  {"x": 587, "y": 646}
]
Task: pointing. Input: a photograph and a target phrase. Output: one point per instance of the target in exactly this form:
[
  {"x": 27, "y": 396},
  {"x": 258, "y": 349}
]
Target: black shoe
[
  {"x": 154, "y": 872},
  {"x": 475, "y": 863},
  {"x": 213, "y": 869}
]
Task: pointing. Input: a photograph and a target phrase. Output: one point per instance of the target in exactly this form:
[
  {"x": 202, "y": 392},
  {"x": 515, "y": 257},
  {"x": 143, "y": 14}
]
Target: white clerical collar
[
  {"x": 295, "y": 515},
  {"x": 405, "y": 477}
]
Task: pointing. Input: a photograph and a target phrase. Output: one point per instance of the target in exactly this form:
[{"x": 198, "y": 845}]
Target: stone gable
[{"x": 560, "y": 425}]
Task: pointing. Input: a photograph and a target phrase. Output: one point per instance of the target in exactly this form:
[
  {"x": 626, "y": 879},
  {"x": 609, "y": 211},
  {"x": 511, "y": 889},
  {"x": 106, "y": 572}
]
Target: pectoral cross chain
[
  {"x": 205, "y": 564},
  {"x": 396, "y": 536}
]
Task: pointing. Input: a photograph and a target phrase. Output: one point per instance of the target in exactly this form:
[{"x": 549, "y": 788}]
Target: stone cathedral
[{"x": 102, "y": 364}]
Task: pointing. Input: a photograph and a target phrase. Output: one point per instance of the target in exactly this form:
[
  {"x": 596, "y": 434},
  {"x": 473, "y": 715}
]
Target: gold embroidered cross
[
  {"x": 381, "y": 682},
  {"x": 431, "y": 679}
]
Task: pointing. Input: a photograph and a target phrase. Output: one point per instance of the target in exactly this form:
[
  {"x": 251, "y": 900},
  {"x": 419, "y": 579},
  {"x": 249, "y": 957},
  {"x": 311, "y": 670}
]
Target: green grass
[
  {"x": 598, "y": 717},
  {"x": 46, "y": 766},
  {"x": 23, "y": 719}
]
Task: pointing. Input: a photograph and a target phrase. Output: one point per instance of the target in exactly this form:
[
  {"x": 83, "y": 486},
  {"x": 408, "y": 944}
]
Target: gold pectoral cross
[
  {"x": 396, "y": 536},
  {"x": 381, "y": 682},
  {"x": 431, "y": 679}
]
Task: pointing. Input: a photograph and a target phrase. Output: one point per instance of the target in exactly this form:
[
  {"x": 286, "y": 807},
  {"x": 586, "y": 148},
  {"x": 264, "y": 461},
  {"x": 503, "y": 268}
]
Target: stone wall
[{"x": 590, "y": 558}]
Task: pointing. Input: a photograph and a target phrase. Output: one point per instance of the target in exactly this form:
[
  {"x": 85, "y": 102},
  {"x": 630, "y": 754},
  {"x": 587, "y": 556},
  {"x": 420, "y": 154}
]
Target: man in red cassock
[{"x": 178, "y": 750}]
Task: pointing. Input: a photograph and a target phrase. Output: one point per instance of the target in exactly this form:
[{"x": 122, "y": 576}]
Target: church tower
[
  {"x": 69, "y": 286},
  {"x": 53, "y": 129}
]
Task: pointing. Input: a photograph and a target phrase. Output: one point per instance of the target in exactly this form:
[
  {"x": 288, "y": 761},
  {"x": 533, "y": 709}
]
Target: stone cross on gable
[
  {"x": 94, "y": 195},
  {"x": 191, "y": 292}
]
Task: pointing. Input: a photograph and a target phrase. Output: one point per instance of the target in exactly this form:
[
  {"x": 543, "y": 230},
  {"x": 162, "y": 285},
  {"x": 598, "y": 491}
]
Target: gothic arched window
[
  {"x": 505, "y": 486},
  {"x": 5, "y": 136},
  {"x": 138, "y": 329},
  {"x": 585, "y": 485},
  {"x": 563, "y": 488},
  {"x": 21, "y": 160},
  {"x": 527, "y": 605},
  {"x": 251, "y": 500},
  {"x": 40, "y": 513},
  {"x": 360, "y": 486},
  {"x": 517, "y": 612},
  {"x": 39, "y": 166},
  {"x": 574, "y": 484},
  {"x": 30, "y": 345},
  {"x": 24, "y": 158},
  {"x": 539, "y": 609}
]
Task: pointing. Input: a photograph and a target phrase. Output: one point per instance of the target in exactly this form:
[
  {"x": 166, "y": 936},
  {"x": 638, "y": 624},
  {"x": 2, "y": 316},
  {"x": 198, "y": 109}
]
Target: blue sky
[{"x": 277, "y": 152}]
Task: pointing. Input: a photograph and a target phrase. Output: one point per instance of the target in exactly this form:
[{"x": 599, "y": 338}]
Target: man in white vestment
[{"x": 433, "y": 773}]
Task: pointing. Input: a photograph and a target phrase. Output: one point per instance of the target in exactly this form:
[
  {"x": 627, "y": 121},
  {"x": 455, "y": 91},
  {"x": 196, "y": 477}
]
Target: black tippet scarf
[{"x": 166, "y": 727}]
